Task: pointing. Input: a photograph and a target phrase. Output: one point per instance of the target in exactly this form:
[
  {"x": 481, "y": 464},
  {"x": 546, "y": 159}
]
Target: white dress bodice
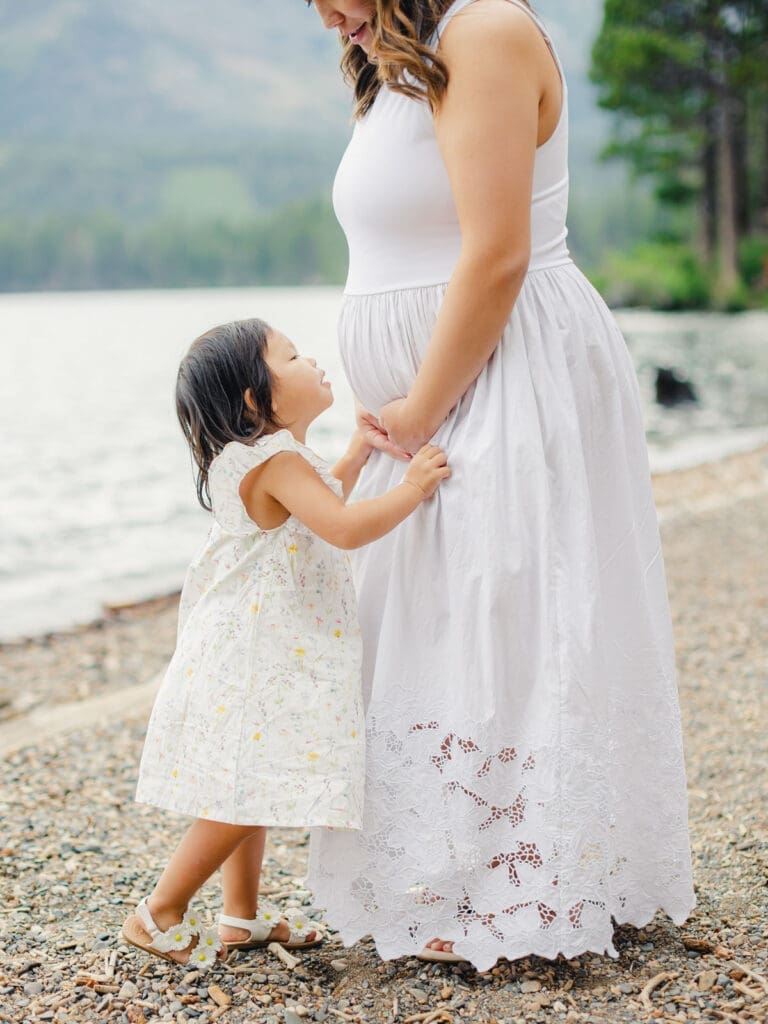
[{"x": 393, "y": 197}]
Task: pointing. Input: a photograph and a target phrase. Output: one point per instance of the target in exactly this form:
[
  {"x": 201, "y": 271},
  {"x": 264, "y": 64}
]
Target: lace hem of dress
[{"x": 535, "y": 847}]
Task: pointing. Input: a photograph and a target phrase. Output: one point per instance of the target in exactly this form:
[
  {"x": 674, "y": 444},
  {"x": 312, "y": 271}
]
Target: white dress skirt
[
  {"x": 259, "y": 719},
  {"x": 525, "y": 781}
]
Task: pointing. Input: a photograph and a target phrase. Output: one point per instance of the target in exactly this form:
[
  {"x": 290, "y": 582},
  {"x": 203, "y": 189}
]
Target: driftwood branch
[
  {"x": 282, "y": 954},
  {"x": 653, "y": 983},
  {"x": 761, "y": 981}
]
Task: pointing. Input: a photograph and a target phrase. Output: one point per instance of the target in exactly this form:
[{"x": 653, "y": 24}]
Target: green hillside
[
  {"x": 168, "y": 118},
  {"x": 145, "y": 109}
]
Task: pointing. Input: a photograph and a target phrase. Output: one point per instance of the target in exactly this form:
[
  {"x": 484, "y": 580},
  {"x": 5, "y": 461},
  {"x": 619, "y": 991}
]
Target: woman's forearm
[{"x": 475, "y": 309}]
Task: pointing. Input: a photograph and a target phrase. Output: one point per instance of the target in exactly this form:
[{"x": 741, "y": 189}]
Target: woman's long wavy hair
[
  {"x": 214, "y": 375},
  {"x": 401, "y": 55}
]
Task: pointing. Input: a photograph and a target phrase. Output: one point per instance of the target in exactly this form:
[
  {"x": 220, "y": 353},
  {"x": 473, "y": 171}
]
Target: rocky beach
[{"x": 76, "y": 853}]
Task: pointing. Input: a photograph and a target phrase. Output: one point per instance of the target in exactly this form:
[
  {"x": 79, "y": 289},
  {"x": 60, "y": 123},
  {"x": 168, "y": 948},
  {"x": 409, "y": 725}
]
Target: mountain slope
[
  {"x": 188, "y": 110},
  {"x": 107, "y": 70}
]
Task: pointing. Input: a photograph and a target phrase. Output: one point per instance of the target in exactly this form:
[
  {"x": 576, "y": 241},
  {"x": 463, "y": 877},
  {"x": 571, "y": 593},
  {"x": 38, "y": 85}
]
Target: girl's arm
[
  {"x": 290, "y": 480},
  {"x": 487, "y": 128},
  {"x": 347, "y": 469}
]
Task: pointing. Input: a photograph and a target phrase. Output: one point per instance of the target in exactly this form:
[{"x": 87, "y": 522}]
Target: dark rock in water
[{"x": 672, "y": 388}]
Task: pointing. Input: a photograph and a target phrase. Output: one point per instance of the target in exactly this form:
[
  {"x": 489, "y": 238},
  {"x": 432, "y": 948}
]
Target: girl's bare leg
[
  {"x": 241, "y": 873},
  {"x": 203, "y": 848}
]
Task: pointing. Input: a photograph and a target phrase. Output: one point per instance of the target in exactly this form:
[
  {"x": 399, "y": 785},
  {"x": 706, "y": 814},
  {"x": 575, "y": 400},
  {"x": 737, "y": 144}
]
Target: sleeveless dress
[
  {"x": 525, "y": 781},
  {"x": 259, "y": 719}
]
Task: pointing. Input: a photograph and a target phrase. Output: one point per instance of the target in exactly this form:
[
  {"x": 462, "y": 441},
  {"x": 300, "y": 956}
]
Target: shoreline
[
  {"x": 738, "y": 473},
  {"x": 134, "y": 641},
  {"x": 78, "y": 849}
]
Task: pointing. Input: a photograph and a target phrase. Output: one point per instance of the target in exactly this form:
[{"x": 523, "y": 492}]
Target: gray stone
[
  {"x": 530, "y": 986},
  {"x": 339, "y": 965},
  {"x": 418, "y": 994},
  {"x": 129, "y": 991},
  {"x": 33, "y": 988}
]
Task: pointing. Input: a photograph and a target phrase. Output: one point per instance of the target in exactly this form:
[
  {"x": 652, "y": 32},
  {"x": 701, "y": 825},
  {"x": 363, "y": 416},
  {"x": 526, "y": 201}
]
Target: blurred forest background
[{"x": 182, "y": 144}]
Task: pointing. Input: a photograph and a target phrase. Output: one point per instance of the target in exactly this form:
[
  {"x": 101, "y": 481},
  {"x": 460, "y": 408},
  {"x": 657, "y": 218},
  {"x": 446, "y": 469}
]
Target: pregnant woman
[{"x": 525, "y": 783}]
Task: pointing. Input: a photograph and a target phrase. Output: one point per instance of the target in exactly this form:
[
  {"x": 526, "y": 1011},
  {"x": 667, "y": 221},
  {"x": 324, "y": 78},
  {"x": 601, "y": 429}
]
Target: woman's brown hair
[
  {"x": 401, "y": 55},
  {"x": 401, "y": 32}
]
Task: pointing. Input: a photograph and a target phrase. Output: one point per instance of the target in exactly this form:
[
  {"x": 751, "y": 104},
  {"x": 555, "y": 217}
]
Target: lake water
[{"x": 98, "y": 502}]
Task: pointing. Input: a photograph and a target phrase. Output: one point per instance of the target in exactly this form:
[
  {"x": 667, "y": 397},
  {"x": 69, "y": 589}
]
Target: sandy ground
[{"x": 76, "y": 854}]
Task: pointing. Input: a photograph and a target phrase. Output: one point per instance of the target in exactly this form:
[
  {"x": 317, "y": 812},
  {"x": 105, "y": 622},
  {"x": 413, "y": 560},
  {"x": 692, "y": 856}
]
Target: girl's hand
[
  {"x": 400, "y": 430},
  {"x": 375, "y": 435},
  {"x": 428, "y": 468}
]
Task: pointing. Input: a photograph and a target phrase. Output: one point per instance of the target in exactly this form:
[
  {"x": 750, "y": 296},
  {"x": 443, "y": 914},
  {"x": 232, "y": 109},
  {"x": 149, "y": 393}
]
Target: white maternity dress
[
  {"x": 259, "y": 719},
  {"x": 525, "y": 780}
]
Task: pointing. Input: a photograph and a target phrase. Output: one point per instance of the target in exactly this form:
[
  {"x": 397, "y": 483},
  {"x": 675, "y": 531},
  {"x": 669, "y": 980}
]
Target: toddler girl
[{"x": 259, "y": 720}]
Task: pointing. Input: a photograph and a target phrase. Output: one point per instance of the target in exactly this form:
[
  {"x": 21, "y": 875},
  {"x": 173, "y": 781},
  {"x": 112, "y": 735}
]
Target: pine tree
[{"x": 688, "y": 79}]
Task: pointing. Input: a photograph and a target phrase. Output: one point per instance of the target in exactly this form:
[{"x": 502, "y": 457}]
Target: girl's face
[
  {"x": 299, "y": 389},
  {"x": 350, "y": 17}
]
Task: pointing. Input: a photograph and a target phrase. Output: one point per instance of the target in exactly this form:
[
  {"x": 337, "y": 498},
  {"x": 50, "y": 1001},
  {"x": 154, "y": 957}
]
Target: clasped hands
[{"x": 394, "y": 432}]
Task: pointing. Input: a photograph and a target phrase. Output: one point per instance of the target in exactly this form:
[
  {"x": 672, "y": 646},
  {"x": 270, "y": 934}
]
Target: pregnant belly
[{"x": 383, "y": 338}]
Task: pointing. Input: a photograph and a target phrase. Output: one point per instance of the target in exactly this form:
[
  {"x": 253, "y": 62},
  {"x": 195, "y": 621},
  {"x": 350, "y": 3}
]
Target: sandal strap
[
  {"x": 178, "y": 936},
  {"x": 306, "y": 925},
  {"x": 144, "y": 915},
  {"x": 257, "y": 930}
]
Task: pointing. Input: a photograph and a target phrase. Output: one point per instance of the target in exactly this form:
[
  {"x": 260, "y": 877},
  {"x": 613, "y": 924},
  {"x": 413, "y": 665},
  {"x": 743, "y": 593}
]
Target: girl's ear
[{"x": 248, "y": 398}]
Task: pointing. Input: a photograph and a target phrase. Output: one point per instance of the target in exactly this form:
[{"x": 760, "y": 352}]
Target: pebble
[
  {"x": 707, "y": 980},
  {"x": 418, "y": 994},
  {"x": 530, "y": 986},
  {"x": 73, "y": 797}
]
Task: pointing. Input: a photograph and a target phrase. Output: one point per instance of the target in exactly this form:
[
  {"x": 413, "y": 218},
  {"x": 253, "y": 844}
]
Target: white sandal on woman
[
  {"x": 177, "y": 938},
  {"x": 267, "y": 919}
]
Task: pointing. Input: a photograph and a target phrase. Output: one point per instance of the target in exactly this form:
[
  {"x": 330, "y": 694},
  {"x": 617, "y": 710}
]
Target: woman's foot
[
  {"x": 440, "y": 946},
  {"x": 438, "y": 951}
]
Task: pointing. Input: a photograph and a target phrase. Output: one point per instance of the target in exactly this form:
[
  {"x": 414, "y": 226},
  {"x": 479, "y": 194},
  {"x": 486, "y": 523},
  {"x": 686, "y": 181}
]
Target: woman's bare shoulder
[{"x": 485, "y": 28}]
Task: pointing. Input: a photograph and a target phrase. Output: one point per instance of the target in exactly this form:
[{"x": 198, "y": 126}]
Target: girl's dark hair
[{"x": 210, "y": 393}]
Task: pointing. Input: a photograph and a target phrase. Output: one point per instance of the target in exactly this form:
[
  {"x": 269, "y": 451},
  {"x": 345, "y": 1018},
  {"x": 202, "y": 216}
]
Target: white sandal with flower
[
  {"x": 202, "y": 956},
  {"x": 267, "y": 919}
]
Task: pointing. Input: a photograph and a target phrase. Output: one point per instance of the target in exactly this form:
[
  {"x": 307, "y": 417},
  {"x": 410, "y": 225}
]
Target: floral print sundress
[{"x": 259, "y": 719}]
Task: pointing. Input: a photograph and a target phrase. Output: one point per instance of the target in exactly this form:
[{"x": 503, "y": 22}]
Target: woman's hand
[
  {"x": 400, "y": 429},
  {"x": 375, "y": 435}
]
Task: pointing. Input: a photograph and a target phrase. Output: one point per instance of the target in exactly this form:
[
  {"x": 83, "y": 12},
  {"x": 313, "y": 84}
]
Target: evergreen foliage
[
  {"x": 688, "y": 80},
  {"x": 299, "y": 243}
]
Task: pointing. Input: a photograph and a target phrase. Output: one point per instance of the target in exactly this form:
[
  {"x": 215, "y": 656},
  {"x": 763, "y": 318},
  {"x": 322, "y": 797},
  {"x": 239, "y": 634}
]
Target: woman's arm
[
  {"x": 487, "y": 129},
  {"x": 347, "y": 469},
  {"x": 375, "y": 435}
]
